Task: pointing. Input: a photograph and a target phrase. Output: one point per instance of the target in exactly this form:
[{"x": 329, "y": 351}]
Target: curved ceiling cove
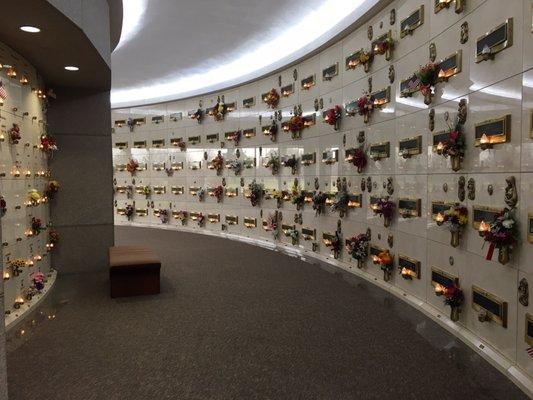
[{"x": 170, "y": 51}]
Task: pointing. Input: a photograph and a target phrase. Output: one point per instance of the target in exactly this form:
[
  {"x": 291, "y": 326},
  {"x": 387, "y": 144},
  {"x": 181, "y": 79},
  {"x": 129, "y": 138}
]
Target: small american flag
[
  {"x": 413, "y": 82},
  {"x": 529, "y": 351},
  {"x": 3, "y": 91}
]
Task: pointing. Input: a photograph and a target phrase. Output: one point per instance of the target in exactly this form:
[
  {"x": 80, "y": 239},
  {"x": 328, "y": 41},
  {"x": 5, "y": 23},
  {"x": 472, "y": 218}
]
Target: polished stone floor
[{"x": 238, "y": 322}]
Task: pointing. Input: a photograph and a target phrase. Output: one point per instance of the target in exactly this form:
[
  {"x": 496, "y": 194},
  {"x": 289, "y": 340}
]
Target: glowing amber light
[
  {"x": 6, "y": 275},
  {"x": 440, "y": 146},
  {"x": 407, "y": 272},
  {"x": 483, "y": 227},
  {"x": 484, "y": 139},
  {"x": 439, "y": 218},
  {"x": 24, "y": 80},
  {"x": 439, "y": 289}
]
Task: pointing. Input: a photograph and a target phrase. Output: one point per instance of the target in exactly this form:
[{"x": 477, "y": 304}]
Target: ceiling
[{"x": 171, "y": 50}]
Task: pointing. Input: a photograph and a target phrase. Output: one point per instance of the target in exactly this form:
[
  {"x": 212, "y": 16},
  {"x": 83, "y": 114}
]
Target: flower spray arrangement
[
  {"x": 218, "y": 193},
  {"x": 428, "y": 77},
  {"x": 358, "y": 159},
  {"x": 132, "y": 166},
  {"x": 272, "y": 224},
  {"x": 453, "y": 297},
  {"x": 294, "y": 235},
  {"x": 501, "y": 233},
  {"x": 236, "y": 166},
  {"x": 340, "y": 203},
  {"x": 48, "y": 143},
  {"x": 256, "y": 193},
  {"x": 14, "y": 134},
  {"x": 319, "y": 202},
  {"x": 455, "y": 219},
  {"x": 36, "y": 226},
  {"x": 163, "y": 215},
  {"x": 218, "y": 163},
  {"x": 273, "y": 163},
  {"x": 385, "y": 262},
  {"x": 385, "y": 208},
  {"x": 52, "y": 188},
  {"x": 3, "y": 206},
  {"x": 357, "y": 247},
  {"x": 272, "y": 98},
  {"x": 365, "y": 106},
  {"x": 333, "y": 117},
  {"x": 129, "y": 210},
  {"x": 454, "y": 146},
  {"x": 182, "y": 216}
]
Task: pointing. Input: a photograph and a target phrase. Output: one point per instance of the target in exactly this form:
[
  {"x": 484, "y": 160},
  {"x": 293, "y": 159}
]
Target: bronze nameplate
[
  {"x": 529, "y": 329},
  {"x": 413, "y": 21},
  {"x": 410, "y": 147},
  {"x": 410, "y": 264},
  {"x": 309, "y": 234},
  {"x": 450, "y": 66},
  {"x": 330, "y": 72},
  {"x": 439, "y": 207},
  {"x": 351, "y": 109},
  {"x": 177, "y": 166},
  {"x": 212, "y": 138},
  {"x": 352, "y": 61},
  {"x": 381, "y": 97},
  {"x": 193, "y": 190},
  {"x": 121, "y": 145},
  {"x": 157, "y": 119},
  {"x": 141, "y": 144},
  {"x": 232, "y": 192},
  {"x": 287, "y": 90},
  {"x": 378, "y": 151},
  {"x": 409, "y": 207},
  {"x": 175, "y": 141},
  {"x": 493, "y": 131},
  {"x": 160, "y": 189},
  {"x": 213, "y": 218},
  {"x": 483, "y": 213},
  {"x": 495, "y": 307},
  {"x": 530, "y": 227},
  {"x": 308, "y": 83},
  {"x": 330, "y": 156},
  {"x": 409, "y": 86},
  {"x": 308, "y": 159},
  {"x": 120, "y": 123},
  {"x": 158, "y": 166},
  {"x": 287, "y": 229},
  {"x": 442, "y": 278},
  {"x": 250, "y": 222},
  {"x": 249, "y": 102},
  {"x": 177, "y": 190},
  {"x": 158, "y": 143},
  {"x": 249, "y": 133},
  {"x": 494, "y": 41},
  {"x": 175, "y": 117},
  {"x": 139, "y": 121},
  {"x": 355, "y": 200},
  {"x": 195, "y": 165},
  {"x": 442, "y": 4},
  {"x": 194, "y": 139}
]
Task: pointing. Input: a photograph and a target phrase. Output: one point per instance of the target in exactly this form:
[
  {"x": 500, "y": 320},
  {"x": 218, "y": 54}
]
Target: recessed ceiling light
[
  {"x": 30, "y": 29},
  {"x": 71, "y": 68}
]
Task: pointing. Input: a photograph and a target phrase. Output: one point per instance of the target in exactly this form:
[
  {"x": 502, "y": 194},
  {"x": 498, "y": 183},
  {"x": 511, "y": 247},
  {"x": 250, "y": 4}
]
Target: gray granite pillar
[{"x": 82, "y": 211}]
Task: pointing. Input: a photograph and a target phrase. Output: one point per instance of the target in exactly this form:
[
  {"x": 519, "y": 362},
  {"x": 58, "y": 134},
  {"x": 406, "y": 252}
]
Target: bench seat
[{"x": 133, "y": 271}]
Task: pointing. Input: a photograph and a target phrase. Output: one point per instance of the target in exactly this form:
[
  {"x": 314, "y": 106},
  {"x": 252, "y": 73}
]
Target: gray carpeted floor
[{"x": 239, "y": 322}]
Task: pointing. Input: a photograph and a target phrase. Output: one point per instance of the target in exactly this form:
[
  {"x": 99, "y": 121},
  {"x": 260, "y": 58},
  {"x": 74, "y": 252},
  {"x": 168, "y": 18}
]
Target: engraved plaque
[
  {"x": 493, "y": 131},
  {"x": 195, "y": 165},
  {"x": 120, "y": 123},
  {"x": 355, "y": 200},
  {"x": 409, "y": 86},
  {"x": 212, "y": 138},
  {"x": 249, "y": 133},
  {"x": 230, "y": 107},
  {"x": 439, "y": 207},
  {"x": 495, "y": 307},
  {"x": 409, "y": 266},
  {"x": 286, "y": 229},
  {"x": 442, "y": 4},
  {"x": 139, "y": 121},
  {"x": 309, "y": 234},
  {"x": 177, "y": 166},
  {"x": 328, "y": 238},
  {"x": 378, "y": 151},
  {"x": 381, "y": 97},
  {"x": 351, "y": 108},
  {"x": 482, "y": 213},
  {"x": 175, "y": 117},
  {"x": 213, "y": 218},
  {"x": 141, "y": 212},
  {"x": 232, "y": 192},
  {"x": 330, "y": 156},
  {"x": 177, "y": 190},
  {"x": 194, "y": 139},
  {"x": 439, "y": 137},
  {"x": 157, "y": 119},
  {"x": 442, "y": 278},
  {"x": 121, "y": 145},
  {"x": 309, "y": 120},
  {"x": 193, "y": 190},
  {"x": 413, "y": 21},
  {"x": 195, "y": 215},
  {"x": 160, "y": 189},
  {"x": 530, "y": 227},
  {"x": 411, "y": 146},
  {"x": 450, "y": 66},
  {"x": 381, "y": 38},
  {"x": 494, "y": 41},
  {"x": 249, "y": 102},
  {"x": 141, "y": 144},
  {"x": 287, "y": 90},
  {"x": 375, "y": 250},
  {"x": 308, "y": 159},
  {"x": 330, "y": 72},
  {"x": 158, "y": 143},
  {"x": 529, "y": 329},
  {"x": 409, "y": 207},
  {"x": 352, "y": 61},
  {"x": 250, "y": 222},
  {"x": 158, "y": 166},
  {"x": 308, "y": 83},
  {"x": 232, "y": 220},
  {"x": 175, "y": 141}
]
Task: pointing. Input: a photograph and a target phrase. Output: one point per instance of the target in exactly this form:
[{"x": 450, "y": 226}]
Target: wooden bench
[{"x": 133, "y": 271}]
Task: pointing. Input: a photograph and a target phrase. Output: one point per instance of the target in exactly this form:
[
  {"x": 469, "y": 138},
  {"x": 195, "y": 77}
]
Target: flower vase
[
  {"x": 428, "y": 97},
  {"x": 503, "y": 255},
  {"x": 388, "y": 53},
  {"x": 366, "y": 117},
  {"x": 386, "y": 222},
  {"x": 359, "y": 169},
  {"x": 454, "y": 314},
  {"x": 366, "y": 66},
  {"x": 294, "y": 242},
  {"x": 455, "y": 239},
  {"x": 387, "y": 274},
  {"x": 360, "y": 264},
  {"x": 456, "y": 163}
]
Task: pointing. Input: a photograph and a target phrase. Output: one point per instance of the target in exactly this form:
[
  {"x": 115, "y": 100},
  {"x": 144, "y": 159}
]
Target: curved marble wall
[
  {"x": 23, "y": 168},
  {"x": 498, "y": 88}
]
